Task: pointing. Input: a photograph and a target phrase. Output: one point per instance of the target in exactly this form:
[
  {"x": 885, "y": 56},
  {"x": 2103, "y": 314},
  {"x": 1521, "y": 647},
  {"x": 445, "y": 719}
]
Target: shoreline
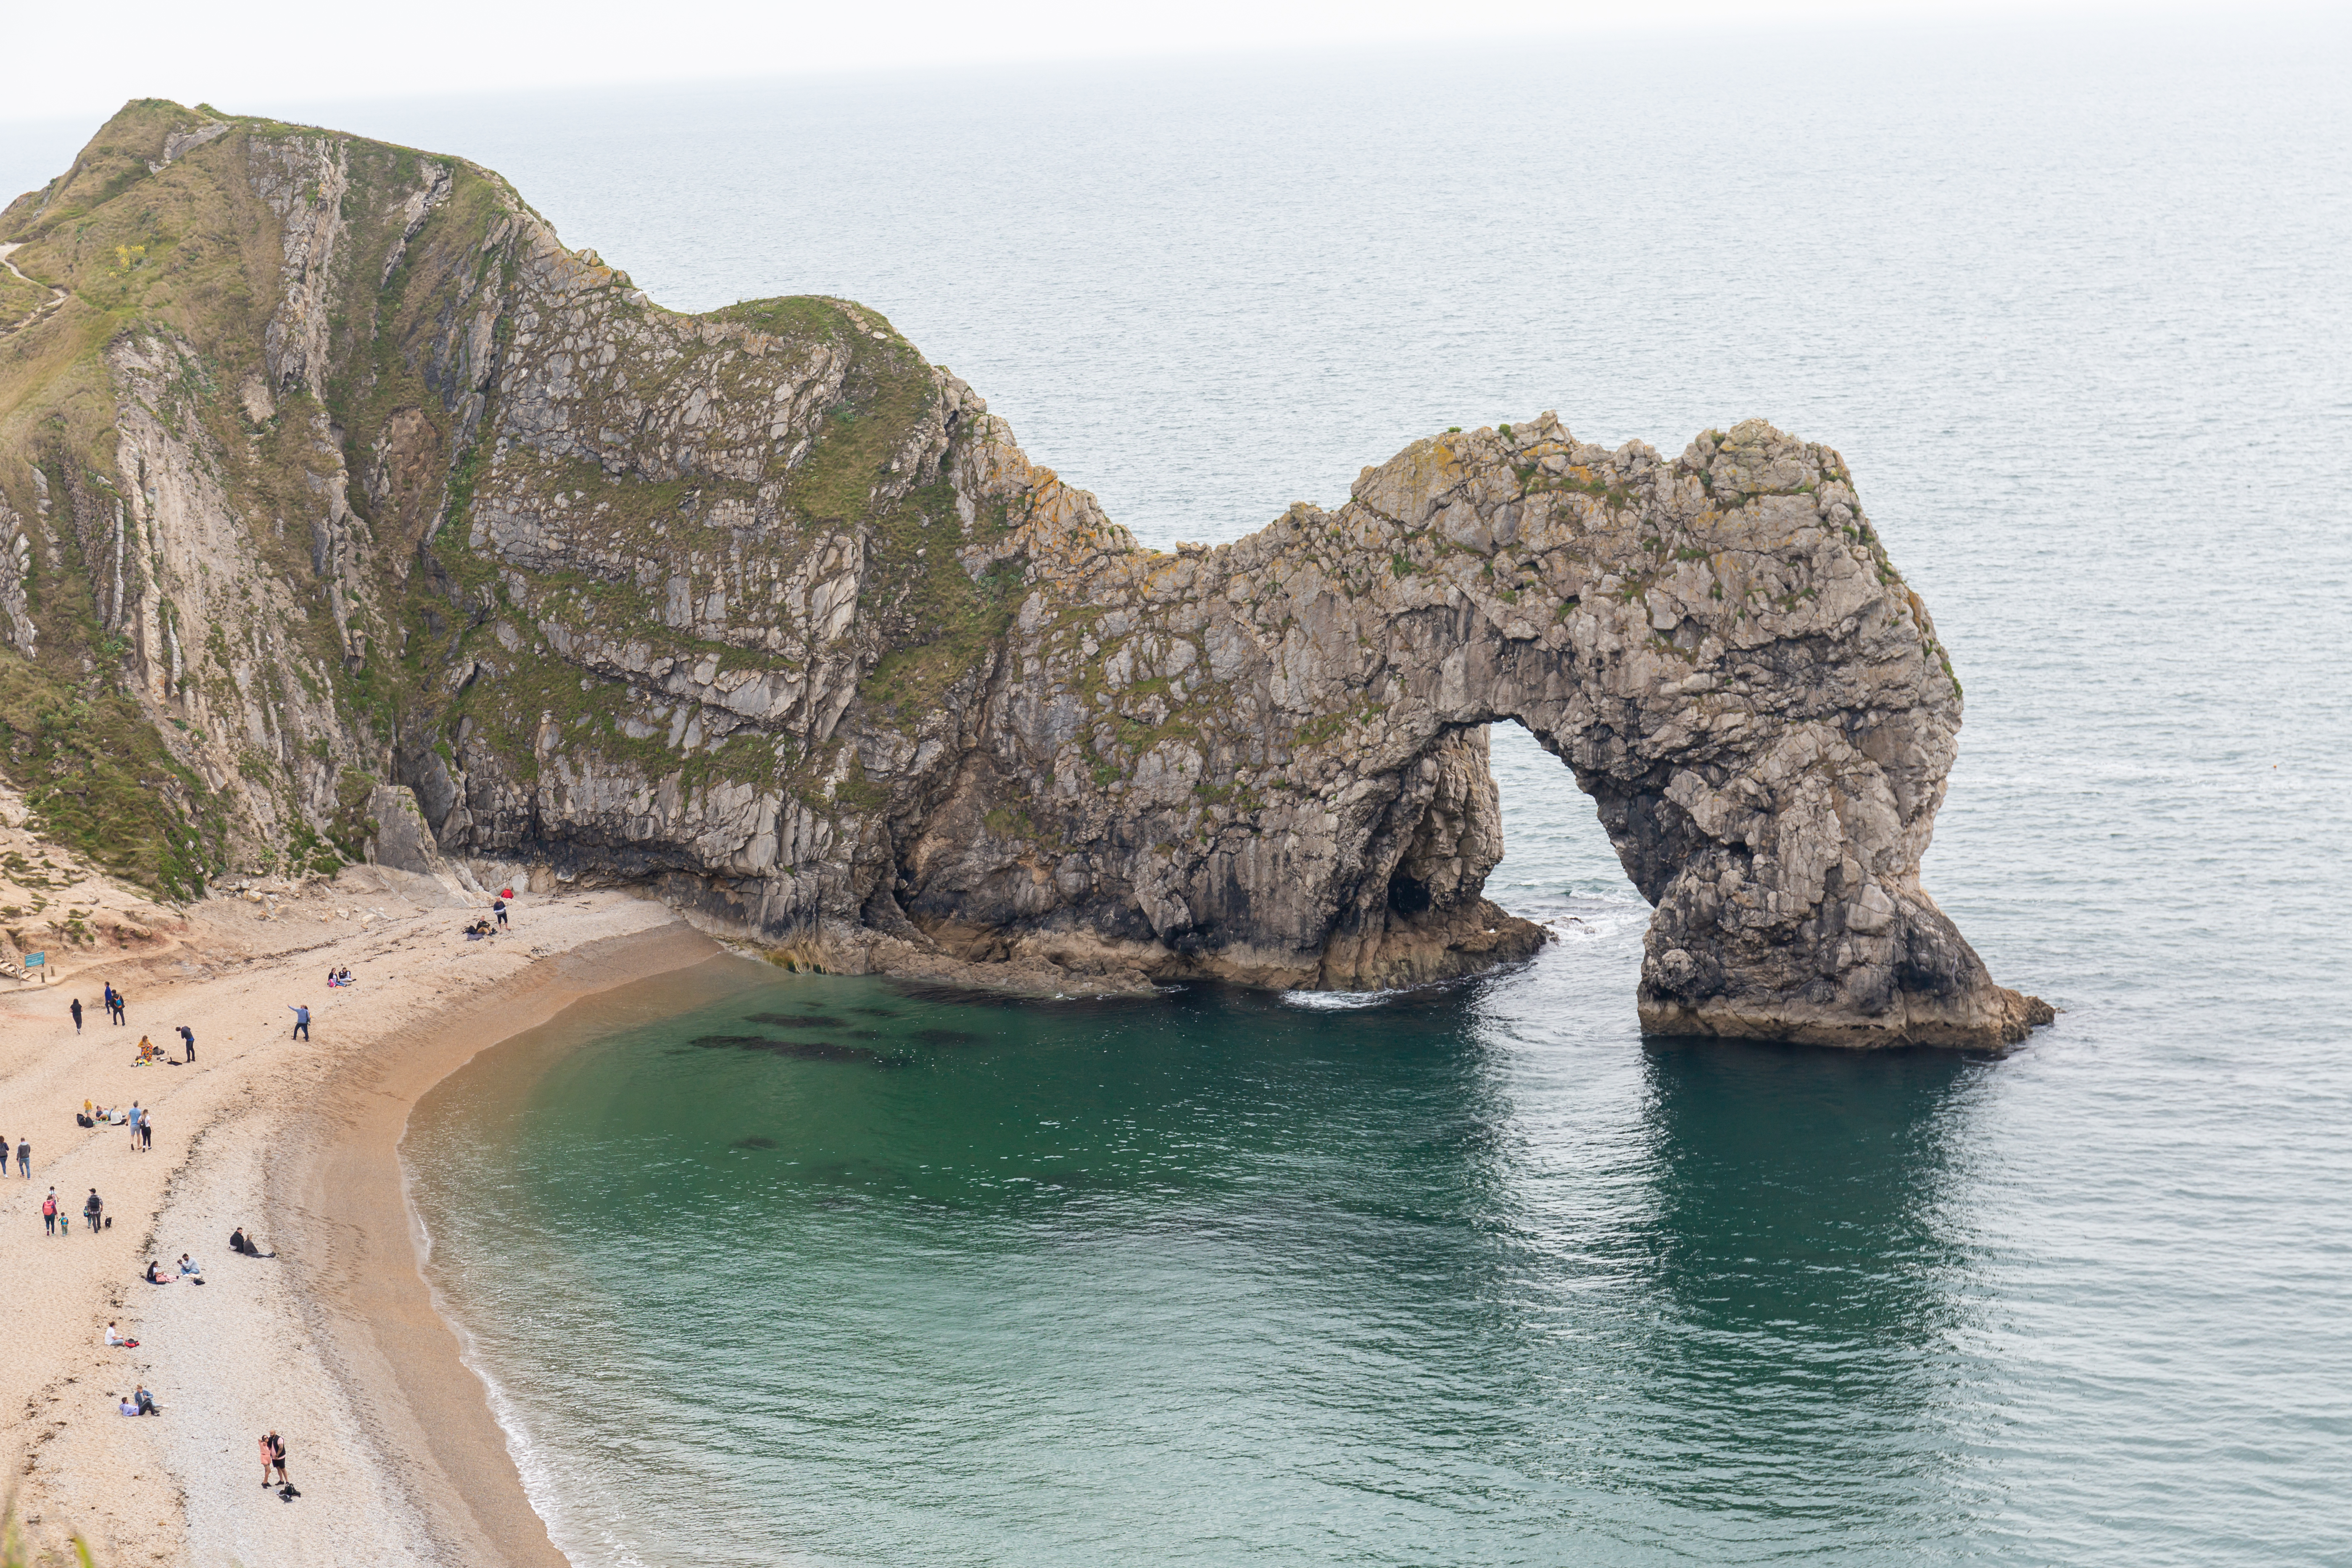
[
  {"x": 337, "y": 1342},
  {"x": 391, "y": 1331}
]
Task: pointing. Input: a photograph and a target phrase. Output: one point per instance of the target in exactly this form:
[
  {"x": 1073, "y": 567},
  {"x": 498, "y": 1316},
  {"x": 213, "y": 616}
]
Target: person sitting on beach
[
  {"x": 115, "y": 1340},
  {"x": 155, "y": 1275},
  {"x": 129, "y": 1405},
  {"x": 191, "y": 1267},
  {"x": 146, "y": 1401},
  {"x": 148, "y": 1051}
]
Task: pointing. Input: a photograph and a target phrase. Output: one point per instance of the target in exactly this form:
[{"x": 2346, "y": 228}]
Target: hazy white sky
[{"x": 251, "y": 55}]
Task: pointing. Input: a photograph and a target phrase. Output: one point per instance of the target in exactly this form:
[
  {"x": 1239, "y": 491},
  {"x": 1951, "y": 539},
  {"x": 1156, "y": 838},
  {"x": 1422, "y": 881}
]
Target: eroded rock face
[
  {"x": 761, "y": 610},
  {"x": 1271, "y": 753}
]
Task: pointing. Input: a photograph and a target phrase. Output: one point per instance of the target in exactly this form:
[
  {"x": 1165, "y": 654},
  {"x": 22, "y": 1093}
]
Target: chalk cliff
[{"x": 368, "y": 517}]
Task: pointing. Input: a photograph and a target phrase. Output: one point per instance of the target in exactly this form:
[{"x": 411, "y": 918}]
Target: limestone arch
[{"x": 1718, "y": 646}]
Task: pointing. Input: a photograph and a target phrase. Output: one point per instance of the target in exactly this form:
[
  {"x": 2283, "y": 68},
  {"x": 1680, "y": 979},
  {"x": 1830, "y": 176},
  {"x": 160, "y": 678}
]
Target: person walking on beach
[
  {"x": 76, "y": 1010},
  {"x": 94, "y": 1210},
  {"x": 131, "y": 1121},
  {"x": 24, "y": 1158},
  {"x": 302, "y": 1020},
  {"x": 146, "y": 1131},
  {"x": 49, "y": 1212},
  {"x": 498, "y": 907},
  {"x": 188, "y": 1042}
]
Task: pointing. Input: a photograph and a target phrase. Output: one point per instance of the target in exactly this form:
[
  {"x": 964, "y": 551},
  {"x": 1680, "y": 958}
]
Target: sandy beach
[{"x": 334, "y": 1343}]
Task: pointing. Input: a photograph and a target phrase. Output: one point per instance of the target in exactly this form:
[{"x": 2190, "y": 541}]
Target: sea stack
[{"x": 381, "y": 524}]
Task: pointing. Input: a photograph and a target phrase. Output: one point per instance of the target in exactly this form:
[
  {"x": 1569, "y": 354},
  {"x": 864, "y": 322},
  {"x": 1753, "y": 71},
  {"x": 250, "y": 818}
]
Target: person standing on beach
[
  {"x": 302, "y": 1020},
  {"x": 278, "y": 1456},
  {"x": 24, "y": 1158},
  {"x": 498, "y": 907},
  {"x": 94, "y": 1210},
  {"x": 269, "y": 1452},
  {"x": 76, "y": 1010},
  {"x": 49, "y": 1212},
  {"x": 188, "y": 1041},
  {"x": 130, "y": 1120}
]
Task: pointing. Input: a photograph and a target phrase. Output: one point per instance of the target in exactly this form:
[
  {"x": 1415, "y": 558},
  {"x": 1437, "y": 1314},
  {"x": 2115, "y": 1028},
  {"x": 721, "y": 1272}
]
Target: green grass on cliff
[{"x": 99, "y": 781}]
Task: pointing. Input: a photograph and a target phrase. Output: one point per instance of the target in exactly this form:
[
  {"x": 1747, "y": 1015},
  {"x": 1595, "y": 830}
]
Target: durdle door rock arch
[
  {"x": 388, "y": 525},
  {"x": 1718, "y": 646}
]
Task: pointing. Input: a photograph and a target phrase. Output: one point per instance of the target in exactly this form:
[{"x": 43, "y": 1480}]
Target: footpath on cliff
[{"x": 292, "y": 1140}]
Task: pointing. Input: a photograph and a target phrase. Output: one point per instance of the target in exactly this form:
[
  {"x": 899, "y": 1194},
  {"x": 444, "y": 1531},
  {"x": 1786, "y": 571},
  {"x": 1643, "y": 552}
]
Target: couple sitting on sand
[
  {"x": 340, "y": 978},
  {"x": 190, "y": 1270},
  {"x": 242, "y": 1245},
  {"x": 140, "y": 1404}
]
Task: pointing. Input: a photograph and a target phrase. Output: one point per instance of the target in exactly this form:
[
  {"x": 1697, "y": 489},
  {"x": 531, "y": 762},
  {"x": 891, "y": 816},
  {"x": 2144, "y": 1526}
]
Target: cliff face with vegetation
[{"x": 350, "y": 513}]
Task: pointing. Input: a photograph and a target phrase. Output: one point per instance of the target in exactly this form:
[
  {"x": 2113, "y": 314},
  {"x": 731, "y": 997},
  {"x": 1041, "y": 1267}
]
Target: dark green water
[{"x": 816, "y": 1269}]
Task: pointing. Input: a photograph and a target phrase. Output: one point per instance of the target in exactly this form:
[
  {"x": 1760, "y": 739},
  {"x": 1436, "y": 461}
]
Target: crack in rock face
[{"x": 446, "y": 539}]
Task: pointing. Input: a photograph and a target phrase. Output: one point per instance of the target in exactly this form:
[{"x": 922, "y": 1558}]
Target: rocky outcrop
[{"x": 761, "y": 611}]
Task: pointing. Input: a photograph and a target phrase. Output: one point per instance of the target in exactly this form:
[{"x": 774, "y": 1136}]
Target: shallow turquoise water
[
  {"x": 1218, "y": 1275},
  {"x": 1478, "y": 1275},
  {"x": 826, "y": 1270}
]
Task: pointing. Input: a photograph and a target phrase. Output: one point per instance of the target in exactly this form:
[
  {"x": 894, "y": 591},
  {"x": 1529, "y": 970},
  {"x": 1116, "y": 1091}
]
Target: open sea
[{"x": 1477, "y": 1276}]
